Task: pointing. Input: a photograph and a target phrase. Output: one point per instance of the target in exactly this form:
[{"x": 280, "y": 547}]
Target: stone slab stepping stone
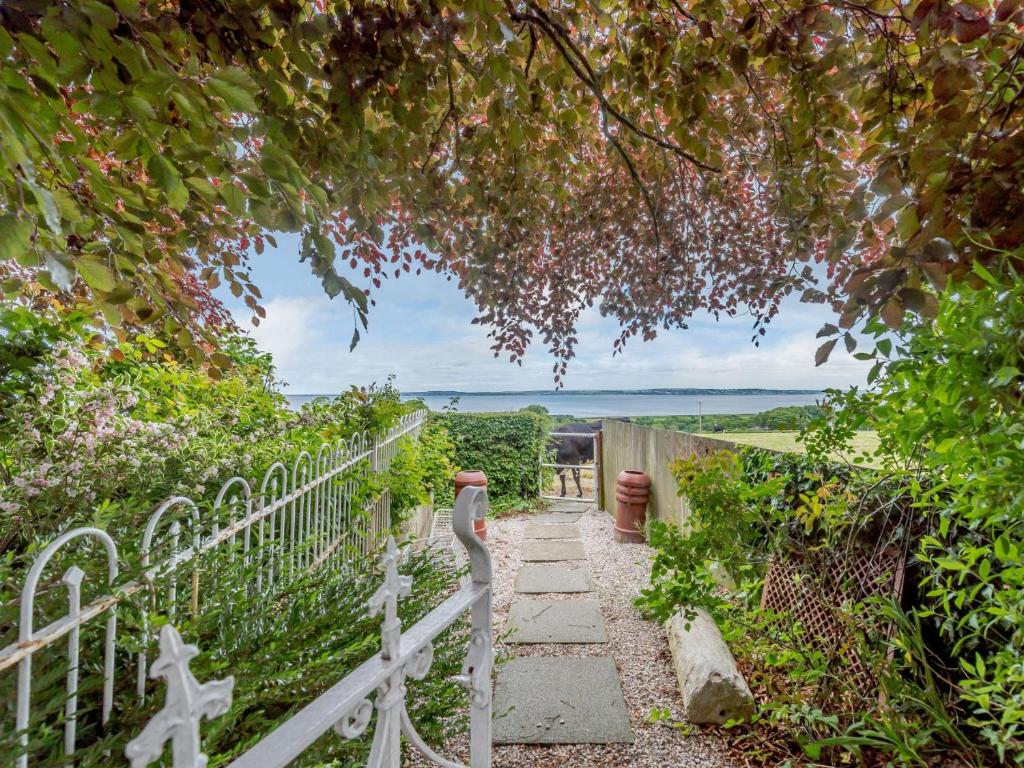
[
  {"x": 560, "y": 700},
  {"x": 551, "y": 531},
  {"x": 534, "y": 579},
  {"x": 570, "y": 504},
  {"x": 540, "y": 550},
  {"x": 556, "y": 621},
  {"x": 556, "y": 517}
]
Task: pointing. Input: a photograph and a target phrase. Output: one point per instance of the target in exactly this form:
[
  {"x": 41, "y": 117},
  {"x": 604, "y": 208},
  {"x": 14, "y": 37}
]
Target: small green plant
[
  {"x": 727, "y": 523},
  {"x": 505, "y": 507},
  {"x": 663, "y": 716}
]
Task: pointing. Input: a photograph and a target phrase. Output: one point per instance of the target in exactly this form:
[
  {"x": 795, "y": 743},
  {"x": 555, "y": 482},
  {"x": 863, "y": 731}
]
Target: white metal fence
[
  {"x": 347, "y": 709},
  {"x": 299, "y": 518}
]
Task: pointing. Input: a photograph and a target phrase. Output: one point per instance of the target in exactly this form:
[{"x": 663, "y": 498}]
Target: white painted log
[{"x": 712, "y": 687}]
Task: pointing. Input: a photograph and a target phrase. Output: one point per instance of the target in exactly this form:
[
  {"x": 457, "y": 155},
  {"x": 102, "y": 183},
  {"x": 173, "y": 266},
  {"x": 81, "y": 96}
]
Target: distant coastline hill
[{"x": 669, "y": 391}]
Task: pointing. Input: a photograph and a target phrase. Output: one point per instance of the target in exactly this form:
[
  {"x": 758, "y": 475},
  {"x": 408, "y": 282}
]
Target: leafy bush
[
  {"x": 746, "y": 510},
  {"x": 26, "y": 338},
  {"x": 506, "y": 446},
  {"x": 946, "y": 401},
  {"x": 423, "y": 469},
  {"x": 101, "y": 440},
  {"x": 790, "y": 417}
]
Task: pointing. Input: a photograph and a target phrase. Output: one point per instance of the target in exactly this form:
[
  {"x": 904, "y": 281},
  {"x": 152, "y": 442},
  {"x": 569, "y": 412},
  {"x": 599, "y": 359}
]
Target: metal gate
[{"x": 590, "y": 495}]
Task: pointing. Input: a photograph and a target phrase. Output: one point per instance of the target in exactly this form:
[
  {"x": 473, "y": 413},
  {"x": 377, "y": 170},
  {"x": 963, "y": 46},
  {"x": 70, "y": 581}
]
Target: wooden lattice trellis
[{"x": 818, "y": 591}]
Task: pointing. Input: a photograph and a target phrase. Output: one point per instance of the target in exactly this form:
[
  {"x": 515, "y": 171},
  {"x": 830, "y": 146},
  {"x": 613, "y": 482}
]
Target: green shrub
[
  {"x": 422, "y": 468},
  {"x": 755, "y": 506},
  {"x": 95, "y": 440},
  {"x": 506, "y": 446},
  {"x": 946, "y": 400}
]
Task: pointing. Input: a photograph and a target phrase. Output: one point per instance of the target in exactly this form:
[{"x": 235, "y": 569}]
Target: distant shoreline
[
  {"x": 690, "y": 392},
  {"x": 610, "y": 403}
]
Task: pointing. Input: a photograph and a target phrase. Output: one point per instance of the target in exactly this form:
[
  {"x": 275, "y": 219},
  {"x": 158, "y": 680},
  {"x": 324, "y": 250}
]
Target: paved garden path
[
  {"x": 557, "y": 699},
  {"x": 582, "y": 670}
]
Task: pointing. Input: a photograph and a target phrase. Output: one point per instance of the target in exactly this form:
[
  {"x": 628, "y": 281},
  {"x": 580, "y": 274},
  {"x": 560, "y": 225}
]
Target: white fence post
[
  {"x": 29, "y": 639},
  {"x": 476, "y": 670}
]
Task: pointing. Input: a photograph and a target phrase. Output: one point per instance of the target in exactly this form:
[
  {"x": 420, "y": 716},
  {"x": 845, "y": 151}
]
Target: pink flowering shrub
[
  {"x": 88, "y": 440},
  {"x": 72, "y": 443},
  {"x": 102, "y": 442}
]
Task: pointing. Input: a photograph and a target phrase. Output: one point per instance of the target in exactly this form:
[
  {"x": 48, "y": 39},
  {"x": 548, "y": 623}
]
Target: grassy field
[{"x": 786, "y": 441}]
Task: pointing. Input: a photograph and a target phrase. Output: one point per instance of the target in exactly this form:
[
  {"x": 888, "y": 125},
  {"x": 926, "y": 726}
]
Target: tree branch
[{"x": 581, "y": 67}]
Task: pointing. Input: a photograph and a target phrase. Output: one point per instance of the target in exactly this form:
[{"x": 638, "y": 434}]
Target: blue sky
[{"x": 420, "y": 332}]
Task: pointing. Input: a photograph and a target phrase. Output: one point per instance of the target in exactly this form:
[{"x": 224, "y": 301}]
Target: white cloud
[{"x": 437, "y": 348}]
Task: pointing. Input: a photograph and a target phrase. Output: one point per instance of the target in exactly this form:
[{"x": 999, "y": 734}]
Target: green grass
[{"x": 786, "y": 441}]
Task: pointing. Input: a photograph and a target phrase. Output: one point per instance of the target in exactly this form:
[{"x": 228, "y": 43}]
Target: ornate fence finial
[
  {"x": 386, "y": 599},
  {"x": 186, "y": 703}
]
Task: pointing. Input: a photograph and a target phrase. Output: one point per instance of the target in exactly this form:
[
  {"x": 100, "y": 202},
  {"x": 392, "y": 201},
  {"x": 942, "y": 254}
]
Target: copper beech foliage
[{"x": 653, "y": 157}]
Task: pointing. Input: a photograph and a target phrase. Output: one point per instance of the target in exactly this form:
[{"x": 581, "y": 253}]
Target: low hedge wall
[{"x": 506, "y": 446}]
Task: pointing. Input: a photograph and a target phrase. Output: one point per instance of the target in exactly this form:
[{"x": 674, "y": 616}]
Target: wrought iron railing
[
  {"x": 346, "y": 708},
  {"x": 299, "y": 518}
]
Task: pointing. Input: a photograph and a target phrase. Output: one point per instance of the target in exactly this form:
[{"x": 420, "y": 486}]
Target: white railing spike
[
  {"x": 386, "y": 599},
  {"x": 187, "y": 702}
]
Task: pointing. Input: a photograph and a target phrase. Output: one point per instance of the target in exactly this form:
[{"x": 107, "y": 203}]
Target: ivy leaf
[
  {"x": 333, "y": 283},
  {"x": 203, "y": 187},
  {"x": 234, "y": 198},
  {"x": 236, "y": 88},
  {"x": 47, "y": 206},
  {"x": 14, "y": 236},
  {"x": 984, "y": 274},
  {"x": 61, "y": 269},
  {"x": 1007, "y": 8},
  {"x": 221, "y": 360},
  {"x": 892, "y": 314},
  {"x": 1005, "y": 375}
]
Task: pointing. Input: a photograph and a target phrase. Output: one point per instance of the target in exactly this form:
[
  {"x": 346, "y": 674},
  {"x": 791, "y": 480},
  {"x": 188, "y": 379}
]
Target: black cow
[{"x": 572, "y": 449}]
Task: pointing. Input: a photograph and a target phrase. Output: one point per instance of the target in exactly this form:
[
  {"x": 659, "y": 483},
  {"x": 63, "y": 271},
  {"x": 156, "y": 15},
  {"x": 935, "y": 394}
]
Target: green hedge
[{"x": 506, "y": 446}]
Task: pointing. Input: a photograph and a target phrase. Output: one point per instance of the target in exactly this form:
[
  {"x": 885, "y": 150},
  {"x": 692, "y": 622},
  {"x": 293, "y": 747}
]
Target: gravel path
[{"x": 639, "y": 647}]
